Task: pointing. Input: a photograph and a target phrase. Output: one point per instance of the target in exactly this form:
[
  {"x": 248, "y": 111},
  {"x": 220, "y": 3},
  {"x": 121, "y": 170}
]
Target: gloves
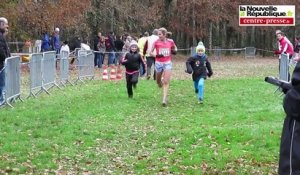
[
  {"x": 159, "y": 55},
  {"x": 209, "y": 74},
  {"x": 276, "y": 52},
  {"x": 123, "y": 61},
  {"x": 188, "y": 71}
]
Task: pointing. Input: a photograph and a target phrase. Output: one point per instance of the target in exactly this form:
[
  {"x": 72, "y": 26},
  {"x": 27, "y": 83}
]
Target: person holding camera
[{"x": 289, "y": 157}]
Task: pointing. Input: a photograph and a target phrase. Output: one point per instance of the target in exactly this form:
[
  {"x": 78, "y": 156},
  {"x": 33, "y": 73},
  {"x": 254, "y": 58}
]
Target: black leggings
[{"x": 131, "y": 81}]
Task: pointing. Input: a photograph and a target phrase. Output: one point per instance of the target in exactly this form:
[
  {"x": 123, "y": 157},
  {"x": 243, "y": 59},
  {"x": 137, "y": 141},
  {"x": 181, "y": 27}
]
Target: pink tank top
[{"x": 163, "y": 48}]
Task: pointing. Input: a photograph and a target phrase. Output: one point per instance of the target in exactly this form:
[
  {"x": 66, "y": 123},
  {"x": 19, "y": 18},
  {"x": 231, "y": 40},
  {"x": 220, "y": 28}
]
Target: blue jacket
[
  {"x": 56, "y": 41},
  {"x": 45, "y": 42}
]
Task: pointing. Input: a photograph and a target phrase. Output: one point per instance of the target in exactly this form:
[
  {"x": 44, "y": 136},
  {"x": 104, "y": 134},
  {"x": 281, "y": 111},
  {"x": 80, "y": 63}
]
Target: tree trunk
[
  {"x": 224, "y": 35},
  {"x": 187, "y": 42},
  {"x": 238, "y": 40},
  {"x": 244, "y": 37},
  {"x": 167, "y": 12},
  {"x": 217, "y": 33},
  {"x": 252, "y": 41},
  {"x": 112, "y": 19},
  {"x": 263, "y": 42},
  {"x": 193, "y": 24},
  {"x": 210, "y": 35}
]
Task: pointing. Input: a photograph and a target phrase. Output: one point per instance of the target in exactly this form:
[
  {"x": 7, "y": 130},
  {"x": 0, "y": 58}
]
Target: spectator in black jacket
[
  {"x": 289, "y": 158},
  {"x": 119, "y": 43},
  {"x": 97, "y": 54},
  {"x": 110, "y": 48},
  {"x": 132, "y": 61},
  {"x": 4, "y": 53},
  {"x": 201, "y": 68},
  {"x": 297, "y": 48}
]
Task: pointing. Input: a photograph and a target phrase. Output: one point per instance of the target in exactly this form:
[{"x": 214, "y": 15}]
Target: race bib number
[{"x": 164, "y": 51}]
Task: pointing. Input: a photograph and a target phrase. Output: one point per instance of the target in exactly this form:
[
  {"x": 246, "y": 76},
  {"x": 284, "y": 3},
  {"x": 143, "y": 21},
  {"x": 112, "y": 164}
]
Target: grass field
[{"x": 94, "y": 128}]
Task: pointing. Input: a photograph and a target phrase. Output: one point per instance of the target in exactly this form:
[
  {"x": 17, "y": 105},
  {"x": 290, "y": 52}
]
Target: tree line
[{"x": 213, "y": 22}]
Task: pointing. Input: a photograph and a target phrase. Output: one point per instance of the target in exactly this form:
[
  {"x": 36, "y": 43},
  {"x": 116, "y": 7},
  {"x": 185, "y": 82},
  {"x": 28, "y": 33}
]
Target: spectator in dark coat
[
  {"x": 4, "y": 53},
  {"x": 56, "y": 41},
  {"x": 119, "y": 43},
  {"x": 110, "y": 48},
  {"x": 297, "y": 48},
  {"x": 97, "y": 54},
  {"x": 289, "y": 158},
  {"x": 46, "y": 45}
]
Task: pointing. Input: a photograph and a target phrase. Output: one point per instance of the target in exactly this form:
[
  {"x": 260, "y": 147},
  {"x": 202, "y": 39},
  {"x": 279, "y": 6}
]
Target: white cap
[
  {"x": 2, "y": 19},
  {"x": 278, "y": 32},
  {"x": 56, "y": 29},
  {"x": 133, "y": 43},
  {"x": 200, "y": 47}
]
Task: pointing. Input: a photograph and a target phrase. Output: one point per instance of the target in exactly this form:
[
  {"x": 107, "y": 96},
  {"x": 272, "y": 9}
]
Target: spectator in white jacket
[
  {"x": 65, "y": 47},
  {"x": 148, "y": 48}
]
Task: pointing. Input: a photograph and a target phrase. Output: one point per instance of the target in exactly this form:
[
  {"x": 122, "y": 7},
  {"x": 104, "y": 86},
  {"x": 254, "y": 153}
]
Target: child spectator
[
  {"x": 65, "y": 47},
  {"x": 201, "y": 68},
  {"x": 132, "y": 61}
]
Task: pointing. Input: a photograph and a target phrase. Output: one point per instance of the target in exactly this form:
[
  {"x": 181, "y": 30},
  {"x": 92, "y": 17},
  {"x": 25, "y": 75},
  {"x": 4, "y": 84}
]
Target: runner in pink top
[{"x": 162, "y": 50}]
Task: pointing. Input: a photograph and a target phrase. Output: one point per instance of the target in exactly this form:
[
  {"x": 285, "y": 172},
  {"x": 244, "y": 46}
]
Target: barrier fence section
[
  {"x": 90, "y": 71},
  {"x": 35, "y": 76},
  {"x": 250, "y": 52},
  {"x": 284, "y": 67},
  {"x": 12, "y": 79},
  {"x": 64, "y": 68},
  {"x": 217, "y": 52},
  {"x": 49, "y": 70},
  {"x": 85, "y": 65}
]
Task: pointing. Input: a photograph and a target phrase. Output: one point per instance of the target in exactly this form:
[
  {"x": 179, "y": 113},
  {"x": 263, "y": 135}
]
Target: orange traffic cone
[
  {"x": 119, "y": 73},
  {"x": 104, "y": 73},
  {"x": 113, "y": 73}
]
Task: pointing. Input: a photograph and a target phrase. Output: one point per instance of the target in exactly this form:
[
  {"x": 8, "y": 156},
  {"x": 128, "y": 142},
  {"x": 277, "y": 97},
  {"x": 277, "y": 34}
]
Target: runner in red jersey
[{"x": 162, "y": 50}]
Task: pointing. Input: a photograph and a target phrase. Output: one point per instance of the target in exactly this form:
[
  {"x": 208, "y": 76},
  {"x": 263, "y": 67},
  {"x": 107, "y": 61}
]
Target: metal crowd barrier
[
  {"x": 284, "y": 67},
  {"x": 85, "y": 65},
  {"x": 217, "y": 52},
  {"x": 250, "y": 52},
  {"x": 76, "y": 52},
  {"x": 49, "y": 70},
  {"x": 64, "y": 68},
  {"x": 36, "y": 74},
  {"x": 12, "y": 79}
]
